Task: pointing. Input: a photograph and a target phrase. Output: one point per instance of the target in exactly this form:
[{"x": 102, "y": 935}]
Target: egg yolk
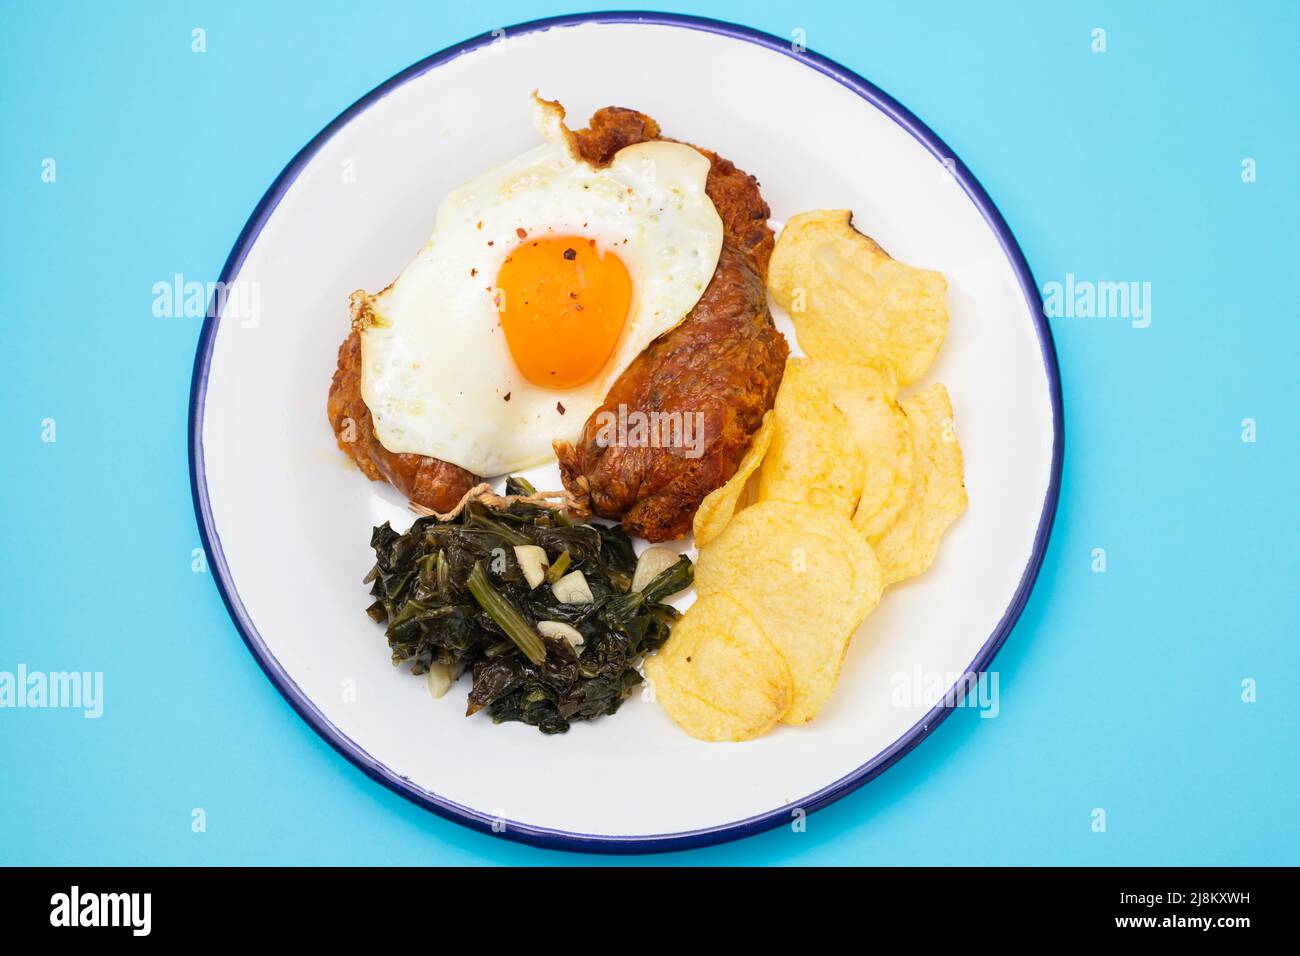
[{"x": 563, "y": 303}]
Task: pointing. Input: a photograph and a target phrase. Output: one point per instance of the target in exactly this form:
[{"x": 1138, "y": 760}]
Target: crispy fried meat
[
  {"x": 720, "y": 366},
  {"x": 718, "y": 370}
]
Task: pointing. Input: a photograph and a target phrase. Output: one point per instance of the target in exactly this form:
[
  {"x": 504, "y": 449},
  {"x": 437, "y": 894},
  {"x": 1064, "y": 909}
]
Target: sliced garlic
[
  {"x": 651, "y": 564},
  {"x": 560, "y": 629},
  {"x": 532, "y": 561},
  {"x": 572, "y": 589},
  {"x": 440, "y": 678}
]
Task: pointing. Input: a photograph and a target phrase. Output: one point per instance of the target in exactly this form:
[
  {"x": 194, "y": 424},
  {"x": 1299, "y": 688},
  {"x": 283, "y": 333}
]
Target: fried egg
[{"x": 544, "y": 278}]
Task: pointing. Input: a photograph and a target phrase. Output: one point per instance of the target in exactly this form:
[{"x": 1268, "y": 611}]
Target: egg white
[{"x": 436, "y": 368}]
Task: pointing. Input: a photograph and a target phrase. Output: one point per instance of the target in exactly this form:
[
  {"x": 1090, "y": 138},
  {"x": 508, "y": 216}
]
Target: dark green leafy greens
[{"x": 453, "y": 593}]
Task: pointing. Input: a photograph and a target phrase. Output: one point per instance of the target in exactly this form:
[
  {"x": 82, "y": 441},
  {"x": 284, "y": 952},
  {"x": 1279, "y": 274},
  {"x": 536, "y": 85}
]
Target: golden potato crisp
[
  {"x": 850, "y": 301},
  {"x": 938, "y": 493},
  {"x": 808, "y": 577},
  {"x": 814, "y": 456},
  {"x": 887, "y": 450},
  {"x": 865, "y": 394},
  {"x": 720, "y": 504},
  {"x": 719, "y": 677},
  {"x": 877, "y": 378}
]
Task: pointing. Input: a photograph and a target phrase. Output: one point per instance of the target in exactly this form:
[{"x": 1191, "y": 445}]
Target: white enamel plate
[{"x": 286, "y": 519}]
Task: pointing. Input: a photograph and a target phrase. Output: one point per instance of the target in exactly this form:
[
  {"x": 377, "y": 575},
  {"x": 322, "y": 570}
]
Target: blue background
[{"x": 1119, "y": 690}]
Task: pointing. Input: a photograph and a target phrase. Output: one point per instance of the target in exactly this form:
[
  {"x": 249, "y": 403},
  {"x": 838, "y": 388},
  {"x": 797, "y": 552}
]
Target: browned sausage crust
[
  {"x": 720, "y": 367},
  {"x": 723, "y": 361}
]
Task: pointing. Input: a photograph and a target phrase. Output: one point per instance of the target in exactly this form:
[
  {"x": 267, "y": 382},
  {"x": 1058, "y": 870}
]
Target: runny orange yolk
[{"x": 563, "y": 303}]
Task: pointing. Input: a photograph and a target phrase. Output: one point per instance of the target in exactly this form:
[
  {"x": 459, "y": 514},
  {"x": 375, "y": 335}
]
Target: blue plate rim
[{"x": 600, "y": 843}]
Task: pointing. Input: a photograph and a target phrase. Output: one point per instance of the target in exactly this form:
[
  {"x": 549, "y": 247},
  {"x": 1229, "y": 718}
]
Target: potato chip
[
  {"x": 938, "y": 493},
  {"x": 809, "y": 578},
  {"x": 720, "y": 504},
  {"x": 719, "y": 677},
  {"x": 876, "y": 378},
  {"x": 814, "y": 456},
  {"x": 850, "y": 301},
  {"x": 865, "y": 394},
  {"x": 887, "y": 449}
]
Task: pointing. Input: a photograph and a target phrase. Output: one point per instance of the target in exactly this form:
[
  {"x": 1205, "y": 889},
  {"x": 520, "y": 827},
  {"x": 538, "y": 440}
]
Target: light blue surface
[{"x": 1120, "y": 691}]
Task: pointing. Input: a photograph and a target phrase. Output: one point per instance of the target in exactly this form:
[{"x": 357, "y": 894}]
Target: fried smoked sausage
[
  {"x": 720, "y": 367},
  {"x": 711, "y": 377}
]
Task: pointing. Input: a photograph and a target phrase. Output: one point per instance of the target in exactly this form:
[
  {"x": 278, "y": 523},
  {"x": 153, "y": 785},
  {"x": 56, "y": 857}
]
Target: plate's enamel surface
[{"x": 288, "y": 518}]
